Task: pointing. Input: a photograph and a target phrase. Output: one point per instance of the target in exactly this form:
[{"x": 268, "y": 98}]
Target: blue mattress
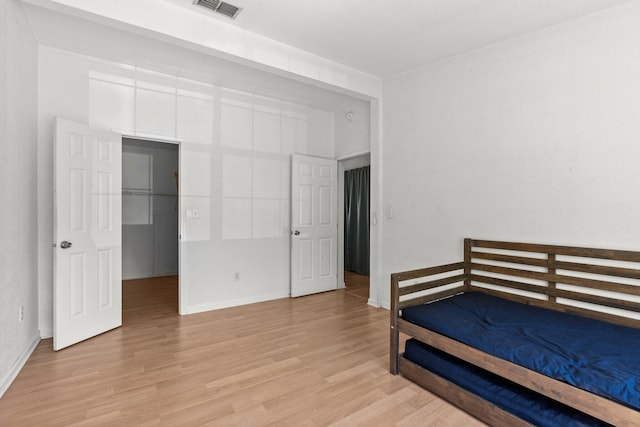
[
  {"x": 600, "y": 357},
  {"x": 513, "y": 398}
]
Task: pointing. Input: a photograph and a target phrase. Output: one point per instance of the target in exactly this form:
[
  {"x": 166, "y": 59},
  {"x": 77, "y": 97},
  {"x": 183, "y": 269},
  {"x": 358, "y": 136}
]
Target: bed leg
[
  {"x": 394, "y": 359},
  {"x": 394, "y": 335}
]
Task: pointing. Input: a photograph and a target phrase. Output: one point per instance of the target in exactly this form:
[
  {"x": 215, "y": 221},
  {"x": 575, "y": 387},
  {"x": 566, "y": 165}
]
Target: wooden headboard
[{"x": 597, "y": 283}]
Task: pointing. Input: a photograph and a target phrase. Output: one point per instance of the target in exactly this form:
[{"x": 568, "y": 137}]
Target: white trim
[
  {"x": 182, "y": 283},
  {"x": 182, "y": 277},
  {"x": 340, "y": 218},
  {"x": 46, "y": 333},
  {"x": 297, "y": 153},
  {"x": 160, "y": 274},
  {"x": 341, "y": 207},
  {"x": 381, "y": 304},
  {"x": 200, "y": 308},
  {"x": 17, "y": 366},
  {"x": 149, "y": 137},
  {"x": 376, "y": 281},
  {"x": 167, "y": 273},
  {"x": 357, "y": 153}
]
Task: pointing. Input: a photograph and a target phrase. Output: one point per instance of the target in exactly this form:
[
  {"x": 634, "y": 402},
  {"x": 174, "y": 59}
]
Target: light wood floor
[
  {"x": 356, "y": 284},
  {"x": 311, "y": 361}
]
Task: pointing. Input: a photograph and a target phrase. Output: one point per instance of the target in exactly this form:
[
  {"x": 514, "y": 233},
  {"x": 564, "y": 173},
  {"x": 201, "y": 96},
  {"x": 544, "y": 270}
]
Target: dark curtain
[{"x": 356, "y": 220}]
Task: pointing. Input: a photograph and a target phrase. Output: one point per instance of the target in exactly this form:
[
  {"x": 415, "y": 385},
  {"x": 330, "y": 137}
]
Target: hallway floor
[{"x": 356, "y": 284}]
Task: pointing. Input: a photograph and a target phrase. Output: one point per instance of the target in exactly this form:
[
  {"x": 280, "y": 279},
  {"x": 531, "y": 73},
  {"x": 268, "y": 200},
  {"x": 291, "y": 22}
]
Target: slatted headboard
[{"x": 597, "y": 283}]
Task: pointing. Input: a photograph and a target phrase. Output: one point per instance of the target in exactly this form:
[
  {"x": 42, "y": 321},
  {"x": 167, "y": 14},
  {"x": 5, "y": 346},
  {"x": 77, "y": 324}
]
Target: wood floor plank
[
  {"x": 311, "y": 361},
  {"x": 356, "y": 284}
]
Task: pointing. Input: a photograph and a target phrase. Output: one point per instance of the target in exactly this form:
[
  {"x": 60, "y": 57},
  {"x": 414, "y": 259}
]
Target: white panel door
[
  {"x": 314, "y": 233},
  {"x": 87, "y": 290}
]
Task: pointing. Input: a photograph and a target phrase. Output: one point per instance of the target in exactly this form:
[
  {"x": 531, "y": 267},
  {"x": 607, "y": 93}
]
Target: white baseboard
[
  {"x": 17, "y": 366},
  {"x": 200, "y": 308},
  {"x": 381, "y": 304},
  {"x": 46, "y": 333},
  {"x": 165, "y": 273},
  {"x": 134, "y": 277},
  {"x": 147, "y": 276}
]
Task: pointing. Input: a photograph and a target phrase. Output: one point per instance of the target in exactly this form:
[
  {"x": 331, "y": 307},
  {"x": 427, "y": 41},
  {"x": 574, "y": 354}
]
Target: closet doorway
[
  {"x": 150, "y": 214},
  {"x": 356, "y": 225}
]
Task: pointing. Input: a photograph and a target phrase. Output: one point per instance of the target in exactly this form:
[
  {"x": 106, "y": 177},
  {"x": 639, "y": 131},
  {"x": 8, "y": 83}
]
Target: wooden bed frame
[{"x": 529, "y": 273}]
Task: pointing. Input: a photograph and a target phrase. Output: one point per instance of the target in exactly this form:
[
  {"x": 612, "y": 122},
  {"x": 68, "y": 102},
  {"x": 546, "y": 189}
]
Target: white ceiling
[{"x": 385, "y": 37}]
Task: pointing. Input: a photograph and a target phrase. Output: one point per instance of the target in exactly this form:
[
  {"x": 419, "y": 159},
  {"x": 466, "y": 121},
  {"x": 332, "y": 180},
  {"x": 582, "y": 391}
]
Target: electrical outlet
[
  {"x": 236, "y": 276},
  {"x": 21, "y": 313}
]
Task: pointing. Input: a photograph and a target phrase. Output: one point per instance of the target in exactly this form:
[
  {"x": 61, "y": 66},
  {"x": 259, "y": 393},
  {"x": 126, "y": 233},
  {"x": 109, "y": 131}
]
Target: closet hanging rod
[{"x": 145, "y": 193}]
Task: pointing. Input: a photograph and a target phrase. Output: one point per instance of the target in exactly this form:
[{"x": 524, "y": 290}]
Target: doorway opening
[
  {"x": 356, "y": 186},
  {"x": 150, "y": 216}
]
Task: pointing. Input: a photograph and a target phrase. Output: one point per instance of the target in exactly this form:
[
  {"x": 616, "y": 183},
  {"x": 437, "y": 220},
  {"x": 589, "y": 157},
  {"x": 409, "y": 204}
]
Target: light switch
[
  {"x": 389, "y": 212},
  {"x": 192, "y": 213}
]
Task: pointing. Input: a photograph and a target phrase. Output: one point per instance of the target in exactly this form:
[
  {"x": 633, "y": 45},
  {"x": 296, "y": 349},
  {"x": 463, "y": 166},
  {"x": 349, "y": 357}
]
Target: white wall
[
  {"x": 60, "y": 31},
  {"x": 187, "y": 27},
  {"x": 534, "y": 139},
  {"x": 353, "y": 133},
  {"x": 234, "y": 160},
  {"x": 18, "y": 201}
]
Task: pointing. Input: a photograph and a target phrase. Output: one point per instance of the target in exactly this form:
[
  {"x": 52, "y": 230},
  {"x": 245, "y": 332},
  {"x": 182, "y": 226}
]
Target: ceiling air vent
[
  {"x": 228, "y": 9},
  {"x": 221, "y": 7}
]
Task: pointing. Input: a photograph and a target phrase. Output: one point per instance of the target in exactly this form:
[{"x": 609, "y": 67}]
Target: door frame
[
  {"x": 340, "y": 207},
  {"x": 182, "y": 292}
]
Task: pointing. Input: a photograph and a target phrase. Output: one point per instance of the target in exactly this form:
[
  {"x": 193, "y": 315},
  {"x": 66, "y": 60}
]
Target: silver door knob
[
  {"x": 296, "y": 233},
  {"x": 65, "y": 245}
]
